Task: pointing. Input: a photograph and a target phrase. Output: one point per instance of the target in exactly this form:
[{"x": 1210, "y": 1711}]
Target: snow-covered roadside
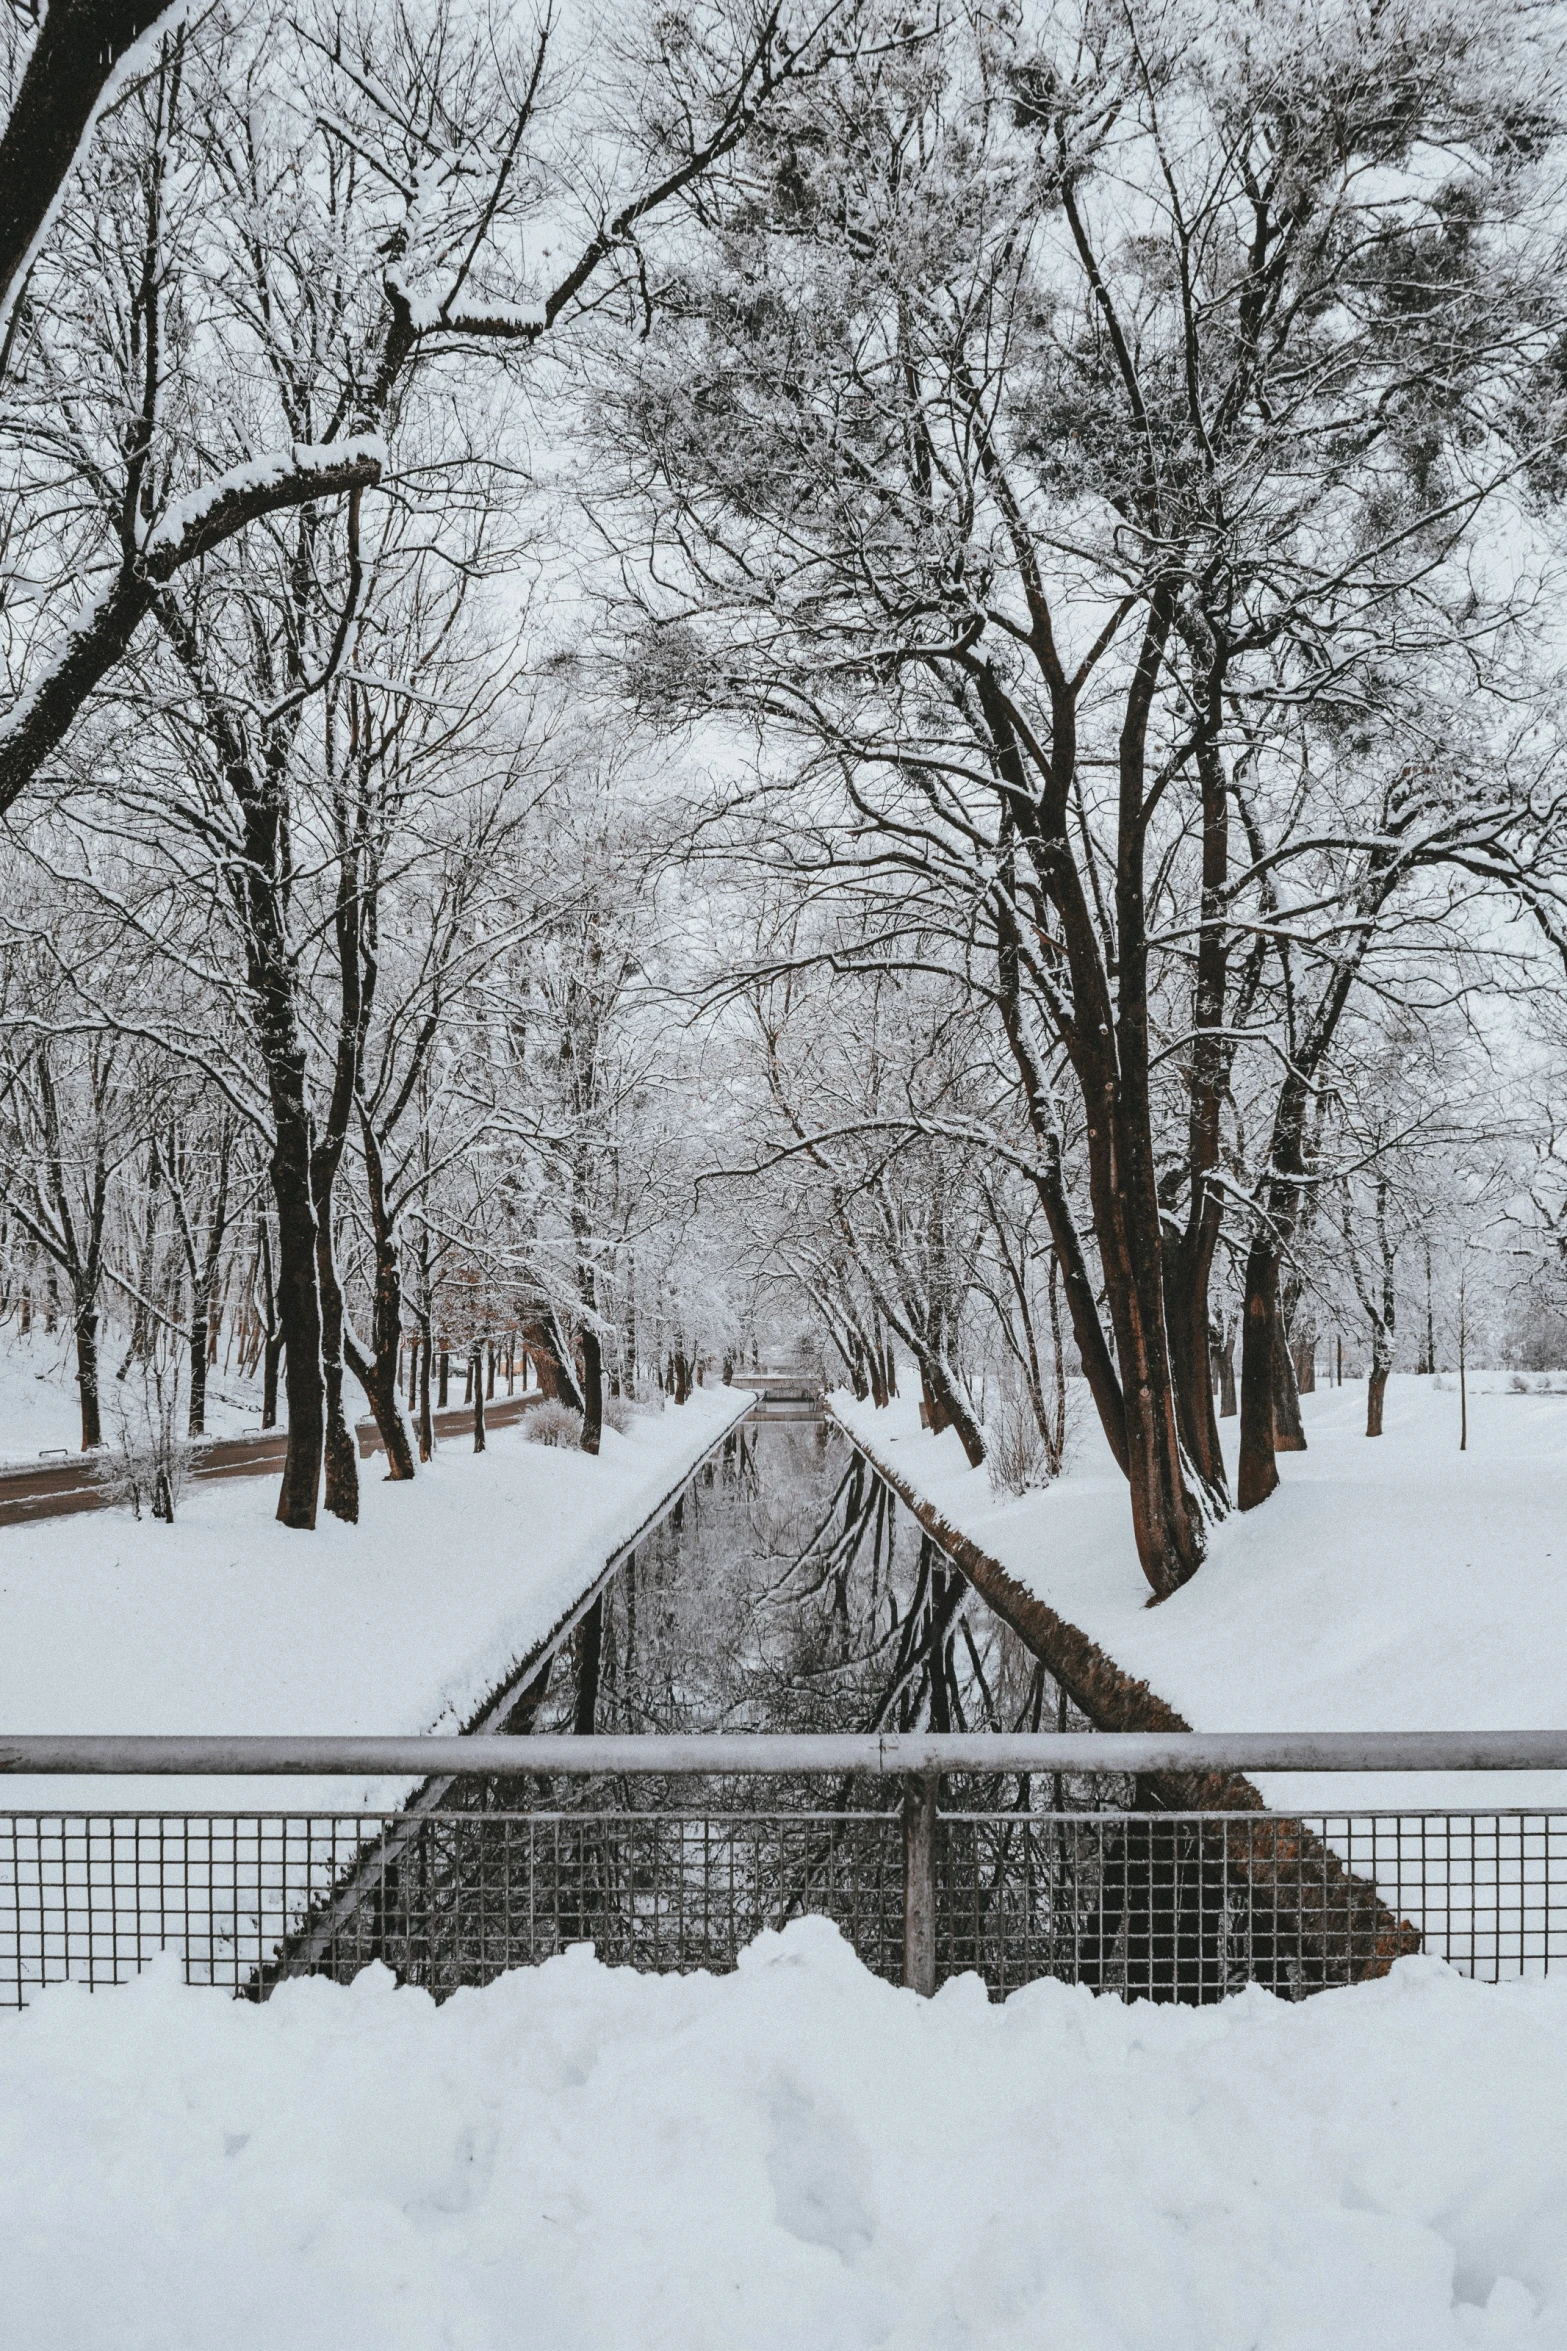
[
  {"x": 1390, "y": 1584},
  {"x": 228, "y": 1622},
  {"x": 40, "y": 1408},
  {"x": 792, "y": 2155}
]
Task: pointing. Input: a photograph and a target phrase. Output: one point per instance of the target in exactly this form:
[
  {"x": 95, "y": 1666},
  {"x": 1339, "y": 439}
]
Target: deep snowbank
[{"x": 795, "y": 2156}]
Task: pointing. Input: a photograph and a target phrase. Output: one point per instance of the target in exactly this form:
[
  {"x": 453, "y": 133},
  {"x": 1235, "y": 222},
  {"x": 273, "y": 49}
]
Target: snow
[
  {"x": 1390, "y": 1584},
  {"x": 227, "y": 1621},
  {"x": 303, "y": 460},
  {"x": 40, "y": 1408},
  {"x": 793, "y": 2155},
  {"x": 499, "y": 318},
  {"x": 431, "y": 313}
]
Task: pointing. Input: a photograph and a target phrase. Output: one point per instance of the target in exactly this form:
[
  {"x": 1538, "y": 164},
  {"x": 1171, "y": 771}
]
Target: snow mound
[{"x": 795, "y": 2155}]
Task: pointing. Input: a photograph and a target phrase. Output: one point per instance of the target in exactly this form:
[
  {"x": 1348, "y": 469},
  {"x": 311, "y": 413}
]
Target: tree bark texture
[
  {"x": 377, "y": 1371},
  {"x": 79, "y": 44},
  {"x": 87, "y": 1377},
  {"x": 1258, "y": 1473},
  {"x": 1289, "y": 1435},
  {"x": 299, "y": 1313},
  {"x": 592, "y": 1390}
]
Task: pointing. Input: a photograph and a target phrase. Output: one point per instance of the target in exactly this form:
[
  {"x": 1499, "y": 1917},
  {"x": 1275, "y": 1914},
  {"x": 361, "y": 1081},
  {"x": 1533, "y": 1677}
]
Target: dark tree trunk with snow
[
  {"x": 299, "y": 1317},
  {"x": 79, "y": 43},
  {"x": 87, "y": 1377},
  {"x": 426, "y": 1418},
  {"x": 1289, "y": 1435},
  {"x": 377, "y": 1371},
  {"x": 1258, "y": 1472},
  {"x": 592, "y": 1389}
]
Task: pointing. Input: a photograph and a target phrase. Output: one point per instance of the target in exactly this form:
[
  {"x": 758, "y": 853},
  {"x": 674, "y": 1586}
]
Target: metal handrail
[{"x": 919, "y": 1754}]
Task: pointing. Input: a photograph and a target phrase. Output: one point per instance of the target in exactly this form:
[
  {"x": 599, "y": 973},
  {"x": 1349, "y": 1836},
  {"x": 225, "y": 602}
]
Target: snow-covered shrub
[
  {"x": 619, "y": 1413},
  {"x": 1016, "y": 1448},
  {"x": 1518, "y": 1384},
  {"x": 148, "y": 1457},
  {"x": 552, "y": 1423},
  {"x": 1020, "y": 1455}
]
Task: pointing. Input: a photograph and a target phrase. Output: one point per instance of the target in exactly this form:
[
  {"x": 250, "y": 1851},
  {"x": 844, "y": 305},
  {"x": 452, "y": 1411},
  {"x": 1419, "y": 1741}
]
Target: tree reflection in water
[{"x": 790, "y": 1590}]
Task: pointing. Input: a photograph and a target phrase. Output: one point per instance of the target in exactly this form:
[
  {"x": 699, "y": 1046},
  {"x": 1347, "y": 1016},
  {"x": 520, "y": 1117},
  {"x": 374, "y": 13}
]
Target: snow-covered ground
[
  {"x": 40, "y": 1405},
  {"x": 795, "y": 2155},
  {"x": 227, "y": 1621},
  {"x": 1390, "y": 1584}
]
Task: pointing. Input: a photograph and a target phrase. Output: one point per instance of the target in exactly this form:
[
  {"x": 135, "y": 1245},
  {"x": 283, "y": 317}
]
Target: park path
[{"x": 55, "y": 1489}]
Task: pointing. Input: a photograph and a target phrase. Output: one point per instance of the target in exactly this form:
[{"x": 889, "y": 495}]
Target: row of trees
[
  {"x": 885, "y": 669},
  {"x": 1112, "y": 457},
  {"x": 301, "y": 819}
]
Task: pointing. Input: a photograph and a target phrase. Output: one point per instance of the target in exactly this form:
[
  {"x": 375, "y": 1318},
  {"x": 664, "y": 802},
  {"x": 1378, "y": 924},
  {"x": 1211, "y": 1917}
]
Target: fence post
[{"x": 919, "y": 1885}]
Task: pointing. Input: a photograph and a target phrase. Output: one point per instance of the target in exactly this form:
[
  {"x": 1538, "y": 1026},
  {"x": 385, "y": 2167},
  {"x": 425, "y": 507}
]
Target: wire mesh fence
[{"x": 1161, "y": 1905}]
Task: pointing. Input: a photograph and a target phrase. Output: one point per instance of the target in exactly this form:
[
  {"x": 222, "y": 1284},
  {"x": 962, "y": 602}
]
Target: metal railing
[{"x": 1163, "y": 1901}]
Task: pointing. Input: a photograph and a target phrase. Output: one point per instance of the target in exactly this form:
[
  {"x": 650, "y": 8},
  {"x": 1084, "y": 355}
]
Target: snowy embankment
[
  {"x": 793, "y": 2155},
  {"x": 1391, "y": 1583},
  {"x": 228, "y": 1622},
  {"x": 40, "y": 1403}
]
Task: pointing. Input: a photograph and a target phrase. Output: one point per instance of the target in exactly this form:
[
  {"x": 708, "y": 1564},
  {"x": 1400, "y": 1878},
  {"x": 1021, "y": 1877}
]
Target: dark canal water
[{"x": 790, "y": 1590}]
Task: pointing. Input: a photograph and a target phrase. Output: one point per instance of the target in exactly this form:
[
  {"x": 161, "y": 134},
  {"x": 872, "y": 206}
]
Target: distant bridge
[{"x": 783, "y": 1393}]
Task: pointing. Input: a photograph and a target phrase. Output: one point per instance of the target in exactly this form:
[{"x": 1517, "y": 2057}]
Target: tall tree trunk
[
  {"x": 1107, "y": 1036},
  {"x": 272, "y": 1332},
  {"x": 1188, "y": 1262},
  {"x": 426, "y": 1418},
  {"x": 87, "y": 1373},
  {"x": 476, "y": 1387},
  {"x": 1289, "y": 1435},
  {"x": 205, "y": 1266},
  {"x": 1093, "y": 1353},
  {"x": 592, "y": 1389},
  {"x": 1258, "y": 1472},
  {"x": 1188, "y": 1256},
  {"x": 341, "y": 1452},
  {"x": 377, "y": 1371},
  {"x": 1376, "y": 1385},
  {"x": 299, "y": 1316},
  {"x": 273, "y": 988},
  {"x": 196, "y": 1418}
]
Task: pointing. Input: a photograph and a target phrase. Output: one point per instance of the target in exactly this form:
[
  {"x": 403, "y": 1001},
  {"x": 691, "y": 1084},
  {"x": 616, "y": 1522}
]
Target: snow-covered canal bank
[
  {"x": 228, "y": 1622},
  {"x": 792, "y": 2158}
]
